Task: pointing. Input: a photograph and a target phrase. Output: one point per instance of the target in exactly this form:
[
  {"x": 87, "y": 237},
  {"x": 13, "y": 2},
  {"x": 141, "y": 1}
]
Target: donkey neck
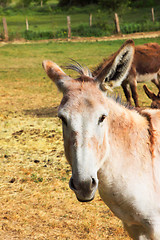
[
  {"x": 129, "y": 160},
  {"x": 122, "y": 118},
  {"x": 128, "y": 134}
]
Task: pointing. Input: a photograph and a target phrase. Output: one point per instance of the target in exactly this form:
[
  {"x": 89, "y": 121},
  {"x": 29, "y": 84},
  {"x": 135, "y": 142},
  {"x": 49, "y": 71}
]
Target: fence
[{"x": 55, "y": 26}]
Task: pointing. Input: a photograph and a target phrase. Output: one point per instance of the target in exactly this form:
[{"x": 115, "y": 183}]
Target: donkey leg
[
  {"x": 126, "y": 91},
  {"x": 133, "y": 87},
  {"x": 156, "y": 82},
  {"x": 137, "y": 232},
  {"x": 156, "y": 232}
]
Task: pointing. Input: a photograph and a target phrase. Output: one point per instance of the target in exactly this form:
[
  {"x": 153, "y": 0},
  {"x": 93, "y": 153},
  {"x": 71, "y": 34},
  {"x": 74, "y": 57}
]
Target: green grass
[
  {"x": 43, "y": 23},
  {"x": 21, "y": 64},
  {"x": 52, "y": 19},
  {"x": 24, "y": 60}
]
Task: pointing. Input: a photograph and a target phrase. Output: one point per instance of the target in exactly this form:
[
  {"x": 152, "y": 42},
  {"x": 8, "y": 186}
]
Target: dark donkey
[
  {"x": 155, "y": 98},
  {"x": 145, "y": 67}
]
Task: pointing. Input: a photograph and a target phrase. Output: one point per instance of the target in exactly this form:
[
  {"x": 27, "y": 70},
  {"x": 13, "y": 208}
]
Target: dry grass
[{"x": 35, "y": 200}]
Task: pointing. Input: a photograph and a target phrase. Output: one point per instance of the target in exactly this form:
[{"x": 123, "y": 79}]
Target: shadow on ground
[{"x": 42, "y": 112}]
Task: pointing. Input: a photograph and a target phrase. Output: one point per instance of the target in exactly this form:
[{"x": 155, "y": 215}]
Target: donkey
[
  {"x": 110, "y": 147},
  {"x": 155, "y": 98},
  {"x": 144, "y": 68}
]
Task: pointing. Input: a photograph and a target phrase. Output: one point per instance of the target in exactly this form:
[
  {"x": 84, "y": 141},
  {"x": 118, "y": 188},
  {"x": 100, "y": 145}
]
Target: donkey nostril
[
  {"x": 71, "y": 184},
  {"x": 93, "y": 183}
]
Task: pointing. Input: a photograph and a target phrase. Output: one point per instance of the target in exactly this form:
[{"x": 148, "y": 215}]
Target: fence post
[
  {"x": 116, "y": 18},
  {"x": 41, "y": 3},
  {"x": 5, "y": 29},
  {"x": 69, "y": 26},
  {"x": 152, "y": 14},
  {"x": 90, "y": 20},
  {"x": 27, "y": 25}
]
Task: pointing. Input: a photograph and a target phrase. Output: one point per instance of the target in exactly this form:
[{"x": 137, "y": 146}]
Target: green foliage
[
  {"x": 61, "y": 33},
  {"x": 111, "y": 4},
  {"x": 87, "y": 31},
  {"x": 142, "y": 3},
  {"x": 48, "y": 21},
  {"x": 140, "y": 27},
  {"x": 45, "y": 9},
  {"x": 31, "y": 35},
  {"x": 96, "y": 30},
  {"x": 36, "y": 179},
  {"x": 114, "y": 4},
  {"x": 39, "y": 2},
  {"x": 26, "y": 3},
  {"x": 4, "y": 3},
  {"x": 68, "y": 3}
]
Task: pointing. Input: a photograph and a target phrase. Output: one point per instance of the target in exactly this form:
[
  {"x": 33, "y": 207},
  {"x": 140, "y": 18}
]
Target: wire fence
[{"x": 93, "y": 24}]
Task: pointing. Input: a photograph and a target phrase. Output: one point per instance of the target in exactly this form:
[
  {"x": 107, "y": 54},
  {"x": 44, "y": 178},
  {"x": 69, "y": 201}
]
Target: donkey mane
[
  {"x": 104, "y": 62},
  {"x": 150, "y": 131},
  {"x": 76, "y": 66},
  {"x": 99, "y": 66},
  {"x": 85, "y": 75}
]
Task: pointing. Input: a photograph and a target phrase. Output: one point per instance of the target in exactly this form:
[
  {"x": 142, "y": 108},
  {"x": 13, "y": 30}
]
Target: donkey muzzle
[{"x": 84, "y": 189}]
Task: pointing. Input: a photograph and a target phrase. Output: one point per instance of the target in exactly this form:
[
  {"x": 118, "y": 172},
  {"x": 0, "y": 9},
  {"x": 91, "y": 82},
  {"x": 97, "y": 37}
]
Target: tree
[
  {"x": 39, "y": 2},
  {"x": 68, "y": 3},
  {"x": 113, "y": 4},
  {"x": 26, "y": 3},
  {"x": 4, "y": 3},
  {"x": 142, "y": 3}
]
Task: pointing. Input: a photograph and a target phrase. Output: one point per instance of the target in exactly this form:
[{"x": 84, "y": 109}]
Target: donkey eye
[
  {"x": 63, "y": 120},
  {"x": 101, "y": 119}
]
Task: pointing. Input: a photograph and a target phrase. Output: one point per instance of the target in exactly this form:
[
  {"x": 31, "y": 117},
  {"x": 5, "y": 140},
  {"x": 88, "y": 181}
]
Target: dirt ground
[
  {"x": 94, "y": 39},
  {"x": 35, "y": 199}
]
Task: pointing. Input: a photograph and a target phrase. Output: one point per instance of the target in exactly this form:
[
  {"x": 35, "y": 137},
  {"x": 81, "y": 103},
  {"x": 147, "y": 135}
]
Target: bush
[
  {"x": 87, "y": 31},
  {"x": 4, "y": 3},
  {"x": 31, "y": 35},
  {"x": 69, "y": 3},
  {"x": 142, "y": 3},
  {"x": 140, "y": 27},
  {"x": 105, "y": 26},
  {"x": 61, "y": 33},
  {"x": 44, "y": 9},
  {"x": 114, "y": 4}
]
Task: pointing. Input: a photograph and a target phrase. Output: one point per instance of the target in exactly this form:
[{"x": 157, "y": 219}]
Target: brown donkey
[{"x": 144, "y": 68}]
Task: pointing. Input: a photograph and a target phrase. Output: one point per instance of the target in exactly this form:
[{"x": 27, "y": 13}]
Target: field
[
  {"x": 35, "y": 200},
  {"x": 51, "y": 21}
]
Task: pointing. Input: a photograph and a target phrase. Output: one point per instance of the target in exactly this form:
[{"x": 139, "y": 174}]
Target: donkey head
[
  {"x": 155, "y": 98},
  {"x": 83, "y": 111}
]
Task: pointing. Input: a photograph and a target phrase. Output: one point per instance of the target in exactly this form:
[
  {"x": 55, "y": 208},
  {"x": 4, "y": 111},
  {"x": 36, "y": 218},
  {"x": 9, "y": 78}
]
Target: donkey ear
[
  {"x": 150, "y": 94},
  {"x": 56, "y": 74},
  {"x": 118, "y": 67}
]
